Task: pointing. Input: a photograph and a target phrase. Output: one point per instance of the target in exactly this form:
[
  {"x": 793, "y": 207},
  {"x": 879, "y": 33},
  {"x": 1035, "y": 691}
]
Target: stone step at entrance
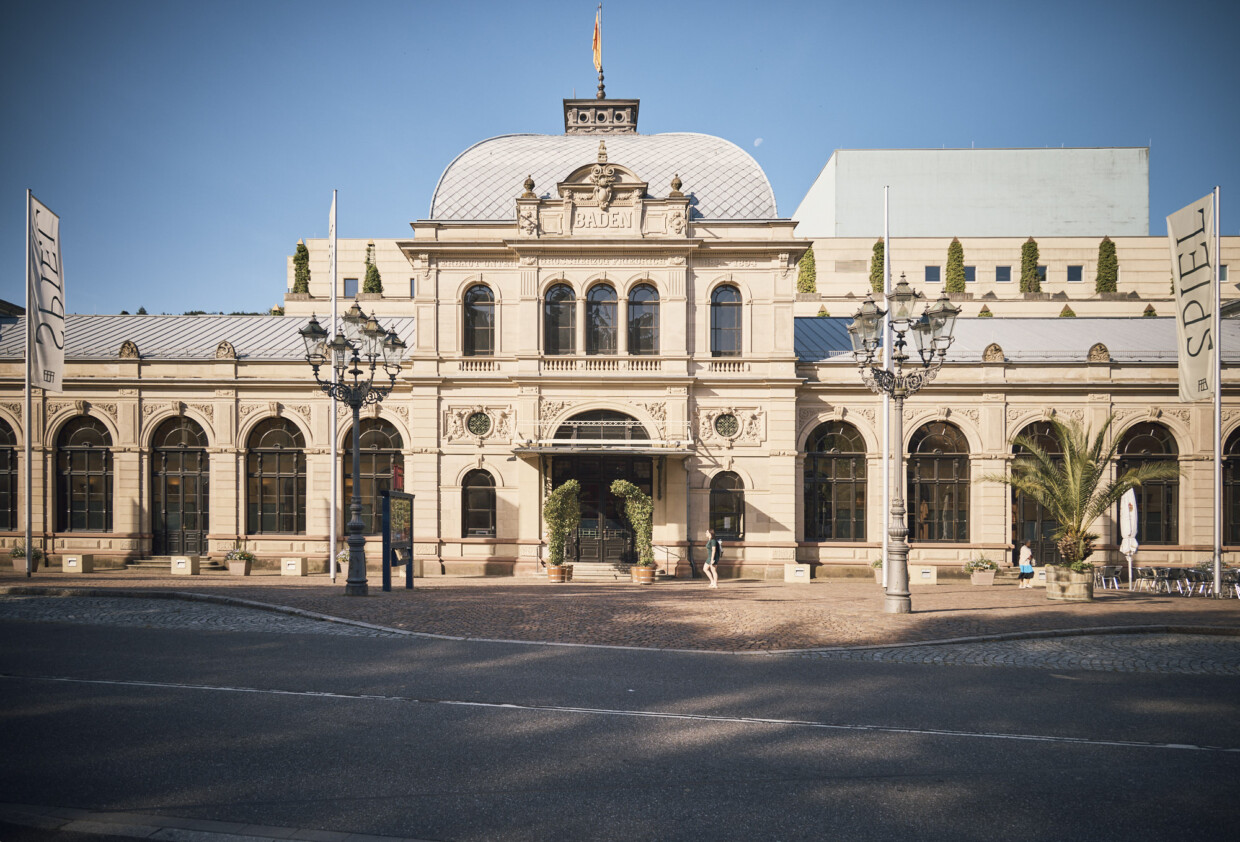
[
  {"x": 593, "y": 571},
  {"x": 164, "y": 563}
]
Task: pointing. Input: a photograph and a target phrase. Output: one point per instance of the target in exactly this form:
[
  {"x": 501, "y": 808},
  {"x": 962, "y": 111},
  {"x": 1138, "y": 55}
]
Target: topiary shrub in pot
[
  {"x": 639, "y": 509},
  {"x": 562, "y": 514}
]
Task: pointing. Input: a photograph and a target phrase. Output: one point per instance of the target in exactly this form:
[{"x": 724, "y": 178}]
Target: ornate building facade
[{"x": 593, "y": 305}]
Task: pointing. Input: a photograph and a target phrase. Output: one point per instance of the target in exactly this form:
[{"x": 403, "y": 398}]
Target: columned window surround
[
  {"x": 643, "y": 320},
  {"x": 479, "y": 322},
  {"x": 559, "y": 321},
  {"x": 725, "y": 322},
  {"x": 601, "y": 320}
]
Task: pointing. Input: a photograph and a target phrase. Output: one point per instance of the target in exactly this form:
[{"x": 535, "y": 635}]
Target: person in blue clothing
[
  {"x": 714, "y": 552},
  {"x": 1026, "y": 565}
]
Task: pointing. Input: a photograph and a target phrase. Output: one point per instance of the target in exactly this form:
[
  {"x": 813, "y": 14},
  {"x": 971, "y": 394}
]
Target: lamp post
[
  {"x": 354, "y": 355},
  {"x": 932, "y": 334}
]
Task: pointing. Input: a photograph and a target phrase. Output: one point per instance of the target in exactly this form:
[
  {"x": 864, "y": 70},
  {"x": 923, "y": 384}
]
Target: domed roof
[{"x": 721, "y": 179}]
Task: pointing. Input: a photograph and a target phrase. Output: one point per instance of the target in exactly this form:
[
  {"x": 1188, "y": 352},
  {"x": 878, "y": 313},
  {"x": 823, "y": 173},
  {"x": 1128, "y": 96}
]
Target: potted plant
[
  {"x": 639, "y": 509},
  {"x": 18, "y": 553},
  {"x": 981, "y": 571},
  {"x": 239, "y": 561},
  {"x": 562, "y": 514},
  {"x": 877, "y": 564},
  {"x": 1075, "y": 491}
]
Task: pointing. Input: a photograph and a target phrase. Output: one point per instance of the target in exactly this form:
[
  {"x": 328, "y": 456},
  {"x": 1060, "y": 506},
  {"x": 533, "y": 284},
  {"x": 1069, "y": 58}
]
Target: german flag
[{"x": 598, "y": 38}]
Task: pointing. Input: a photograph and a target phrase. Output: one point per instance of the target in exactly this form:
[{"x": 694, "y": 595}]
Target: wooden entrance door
[
  {"x": 604, "y": 534},
  {"x": 180, "y": 481}
]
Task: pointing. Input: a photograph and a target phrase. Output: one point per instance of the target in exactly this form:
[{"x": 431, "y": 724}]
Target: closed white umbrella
[{"x": 1128, "y": 528}]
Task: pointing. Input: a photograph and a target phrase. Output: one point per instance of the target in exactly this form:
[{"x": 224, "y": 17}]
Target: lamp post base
[
  {"x": 356, "y": 590},
  {"x": 898, "y": 604}
]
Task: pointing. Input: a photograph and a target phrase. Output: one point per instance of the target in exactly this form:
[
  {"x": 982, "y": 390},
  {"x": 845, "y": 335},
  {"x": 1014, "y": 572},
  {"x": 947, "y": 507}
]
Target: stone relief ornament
[
  {"x": 993, "y": 353},
  {"x": 1098, "y": 353},
  {"x": 204, "y": 409},
  {"x": 676, "y": 222},
  {"x": 550, "y": 409},
  {"x": 732, "y": 425},
  {"x": 478, "y": 423},
  {"x": 603, "y": 177},
  {"x": 225, "y": 351},
  {"x": 128, "y": 351},
  {"x": 15, "y": 409},
  {"x": 528, "y": 222}
]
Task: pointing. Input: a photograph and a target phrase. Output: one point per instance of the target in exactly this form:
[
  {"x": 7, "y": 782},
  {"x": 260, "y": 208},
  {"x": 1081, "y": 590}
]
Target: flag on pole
[
  {"x": 598, "y": 38},
  {"x": 1191, "y": 233},
  {"x": 46, "y": 311},
  {"x": 331, "y": 275}
]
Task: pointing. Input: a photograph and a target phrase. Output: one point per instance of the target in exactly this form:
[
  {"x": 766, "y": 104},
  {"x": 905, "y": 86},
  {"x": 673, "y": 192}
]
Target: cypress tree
[
  {"x": 373, "y": 282},
  {"x": 1029, "y": 281},
  {"x": 955, "y": 267},
  {"x": 1108, "y": 267},
  {"x": 876, "y": 266},
  {"x": 301, "y": 269},
  {"x": 985, "y": 313},
  {"x": 1067, "y": 312},
  {"x": 807, "y": 273}
]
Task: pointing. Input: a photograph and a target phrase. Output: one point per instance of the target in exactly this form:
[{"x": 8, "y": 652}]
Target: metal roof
[
  {"x": 1050, "y": 340},
  {"x": 721, "y": 179},
  {"x": 179, "y": 337}
]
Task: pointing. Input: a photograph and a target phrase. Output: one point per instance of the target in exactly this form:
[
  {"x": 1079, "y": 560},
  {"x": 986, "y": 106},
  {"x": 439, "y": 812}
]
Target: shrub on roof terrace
[
  {"x": 807, "y": 273},
  {"x": 1108, "y": 267},
  {"x": 373, "y": 282},
  {"x": 877, "y": 257},
  {"x": 955, "y": 267},
  {"x": 301, "y": 269},
  {"x": 1029, "y": 281}
]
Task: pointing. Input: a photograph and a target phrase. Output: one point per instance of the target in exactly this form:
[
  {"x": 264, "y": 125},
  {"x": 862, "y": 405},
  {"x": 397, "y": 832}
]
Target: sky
[{"x": 187, "y": 146}]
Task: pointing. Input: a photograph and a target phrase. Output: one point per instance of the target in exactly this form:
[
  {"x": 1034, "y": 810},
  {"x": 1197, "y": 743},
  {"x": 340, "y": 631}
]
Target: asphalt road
[{"x": 447, "y": 740}]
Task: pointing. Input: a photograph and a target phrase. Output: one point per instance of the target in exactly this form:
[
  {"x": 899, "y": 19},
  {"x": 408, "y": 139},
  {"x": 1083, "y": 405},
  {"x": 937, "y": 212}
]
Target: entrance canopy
[{"x": 605, "y": 431}]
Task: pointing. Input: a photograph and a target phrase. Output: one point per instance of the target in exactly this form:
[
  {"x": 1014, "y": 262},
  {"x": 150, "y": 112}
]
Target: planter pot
[
  {"x": 982, "y": 577},
  {"x": 556, "y": 573},
  {"x": 642, "y": 575},
  {"x": 19, "y": 564},
  {"x": 1066, "y": 585},
  {"x": 239, "y": 567}
]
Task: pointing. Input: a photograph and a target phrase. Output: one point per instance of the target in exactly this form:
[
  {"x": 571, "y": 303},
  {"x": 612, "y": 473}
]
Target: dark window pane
[
  {"x": 84, "y": 476},
  {"x": 938, "y": 484}
]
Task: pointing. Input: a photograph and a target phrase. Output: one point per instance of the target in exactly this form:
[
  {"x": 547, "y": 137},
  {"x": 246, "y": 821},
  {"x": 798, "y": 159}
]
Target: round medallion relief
[
  {"x": 479, "y": 424},
  {"x": 727, "y": 426}
]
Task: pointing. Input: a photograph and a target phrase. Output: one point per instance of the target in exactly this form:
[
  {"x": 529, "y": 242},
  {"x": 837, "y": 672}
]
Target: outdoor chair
[
  {"x": 1111, "y": 573},
  {"x": 1162, "y": 579},
  {"x": 1231, "y": 583},
  {"x": 1145, "y": 578},
  {"x": 1179, "y": 575}
]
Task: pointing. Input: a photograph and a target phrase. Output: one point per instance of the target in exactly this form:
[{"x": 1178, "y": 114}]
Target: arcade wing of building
[{"x": 603, "y": 304}]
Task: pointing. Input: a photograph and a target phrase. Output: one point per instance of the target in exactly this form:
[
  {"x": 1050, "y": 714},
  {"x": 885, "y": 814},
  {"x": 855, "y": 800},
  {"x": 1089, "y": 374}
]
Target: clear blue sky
[{"x": 188, "y": 145}]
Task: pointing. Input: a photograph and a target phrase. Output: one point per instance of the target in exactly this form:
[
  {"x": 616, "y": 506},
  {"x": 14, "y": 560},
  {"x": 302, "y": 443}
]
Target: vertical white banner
[
  {"x": 46, "y": 311},
  {"x": 1191, "y": 233}
]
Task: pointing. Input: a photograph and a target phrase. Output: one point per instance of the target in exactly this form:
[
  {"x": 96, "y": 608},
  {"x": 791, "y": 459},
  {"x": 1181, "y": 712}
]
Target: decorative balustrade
[{"x": 646, "y": 365}]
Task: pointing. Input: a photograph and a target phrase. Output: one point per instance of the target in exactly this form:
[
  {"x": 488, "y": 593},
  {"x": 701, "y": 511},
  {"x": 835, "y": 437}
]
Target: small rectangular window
[
  {"x": 932, "y": 274},
  {"x": 1003, "y": 274},
  {"x": 1222, "y": 273},
  {"x": 1041, "y": 274},
  {"x": 970, "y": 274},
  {"x": 1076, "y": 274},
  {"x": 350, "y": 287},
  {"x": 413, "y": 287}
]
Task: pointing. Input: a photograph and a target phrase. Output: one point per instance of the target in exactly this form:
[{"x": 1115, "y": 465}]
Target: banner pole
[
  {"x": 333, "y": 523},
  {"x": 27, "y": 425},
  {"x": 886, "y": 399},
  {"x": 1218, "y": 400}
]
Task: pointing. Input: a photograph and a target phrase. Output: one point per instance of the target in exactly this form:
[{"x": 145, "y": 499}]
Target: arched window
[
  {"x": 8, "y": 477},
  {"x": 379, "y": 449},
  {"x": 478, "y": 505},
  {"x": 479, "y": 322},
  {"x": 938, "y": 484},
  {"x": 559, "y": 320},
  {"x": 180, "y": 485},
  {"x": 1157, "y": 500},
  {"x": 275, "y": 470},
  {"x": 725, "y": 322},
  {"x": 644, "y": 320},
  {"x": 1231, "y": 490},
  {"x": 835, "y": 483},
  {"x": 1031, "y": 520},
  {"x": 727, "y": 505},
  {"x": 84, "y": 477},
  {"x": 601, "y": 320}
]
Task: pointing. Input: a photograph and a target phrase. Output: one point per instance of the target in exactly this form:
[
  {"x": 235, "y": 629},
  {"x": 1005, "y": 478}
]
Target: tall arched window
[
  {"x": 1158, "y": 501},
  {"x": 1032, "y": 521},
  {"x": 8, "y": 477},
  {"x": 725, "y": 322},
  {"x": 84, "y": 477},
  {"x": 835, "y": 483},
  {"x": 559, "y": 320},
  {"x": 275, "y": 470},
  {"x": 601, "y": 320},
  {"x": 1231, "y": 489},
  {"x": 479, "y": 322},
  {"x": 381, "y": 459},
  {"x": 644, "y": 320},
  {"x": 478, "y": 505},
  {"x": 727, "y": 505},
  {"x": 180, "y": 485},
  {"x": 938, "y": 484}
]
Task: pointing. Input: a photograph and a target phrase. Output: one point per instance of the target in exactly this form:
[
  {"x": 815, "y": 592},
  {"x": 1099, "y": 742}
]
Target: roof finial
[{"x": 602, "y": 151}]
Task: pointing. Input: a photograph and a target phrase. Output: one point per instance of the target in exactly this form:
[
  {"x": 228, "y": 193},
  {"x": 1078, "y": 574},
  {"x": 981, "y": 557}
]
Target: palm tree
[{"x": 1073, "y": 485}]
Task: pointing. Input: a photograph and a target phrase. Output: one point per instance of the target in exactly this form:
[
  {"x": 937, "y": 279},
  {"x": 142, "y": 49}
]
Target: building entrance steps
[{"x": 597, "y": 571}]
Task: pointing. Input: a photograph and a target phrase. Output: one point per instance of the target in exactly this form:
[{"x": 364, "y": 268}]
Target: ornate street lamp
[
  {"x": 354, "y": 356},
  {"x": 932, "y": 333}
]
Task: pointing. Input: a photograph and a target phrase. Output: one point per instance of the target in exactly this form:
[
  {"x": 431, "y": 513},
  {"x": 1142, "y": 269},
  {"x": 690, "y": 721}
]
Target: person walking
[
  {"x": 1026, "y": 565},
  {"x": 714, "y": 552}
]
